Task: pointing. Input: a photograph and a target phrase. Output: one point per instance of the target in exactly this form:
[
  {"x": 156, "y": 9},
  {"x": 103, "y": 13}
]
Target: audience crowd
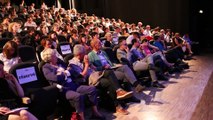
[{"x": 107, "y": 55}]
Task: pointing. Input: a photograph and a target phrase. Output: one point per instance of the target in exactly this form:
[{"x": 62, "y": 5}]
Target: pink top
[{"x": 146, "y": 50}]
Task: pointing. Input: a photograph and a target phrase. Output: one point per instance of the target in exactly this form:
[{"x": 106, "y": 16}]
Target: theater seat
[
  {"x": 64, "y": 48},
  {"x": 43, "y": 97},
  {"x": 27, "y": 53},
  {"x": 3, "y": 41},
  {"x": 67, "y": 58},
  {"x": 39, "y": 49},
  {"x": 111, "y": 54}
]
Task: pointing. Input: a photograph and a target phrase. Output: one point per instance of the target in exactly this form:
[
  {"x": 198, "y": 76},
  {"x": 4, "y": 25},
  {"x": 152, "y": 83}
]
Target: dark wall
[
  {"x": 179, "y": 15},
  {"x": 90, "y": 6},
  {"x": 201, "y": 24},
  {"x": 172, "y": 14}
]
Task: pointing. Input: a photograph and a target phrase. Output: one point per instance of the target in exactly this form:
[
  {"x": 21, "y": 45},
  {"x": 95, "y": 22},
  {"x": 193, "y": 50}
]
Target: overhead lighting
[{"x": 201, "y": 11}]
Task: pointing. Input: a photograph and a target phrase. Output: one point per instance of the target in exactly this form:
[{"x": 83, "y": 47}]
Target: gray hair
[
  {"x": 47, "y": 54},
  {"x": 78, "y": 49}
]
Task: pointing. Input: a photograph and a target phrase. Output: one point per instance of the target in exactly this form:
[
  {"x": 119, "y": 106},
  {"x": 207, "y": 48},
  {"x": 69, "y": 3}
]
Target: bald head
[{"x": 96, "y": 44}]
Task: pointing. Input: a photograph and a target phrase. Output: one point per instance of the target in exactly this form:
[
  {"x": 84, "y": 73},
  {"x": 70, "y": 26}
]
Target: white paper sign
[
  {"x": 26, "y": 75},
  {"x": 65, "y": 49}
]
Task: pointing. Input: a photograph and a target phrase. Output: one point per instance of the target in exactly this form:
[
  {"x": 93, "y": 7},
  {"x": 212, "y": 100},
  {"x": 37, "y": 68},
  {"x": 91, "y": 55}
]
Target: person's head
[
  {"x": 82, "y": 39},
  {"x": 148, "y": 27},
  {"x": 17, "y": 40},
  {"x": 86, "y": 31},
  {"x": 124, "y": 30},
  {"x": 10, "y": 49},
  {"x": 177, "y": 35},
  {"x": 156, "y": 36},
  {"x": 49, "y": 55},
  {"x": 162, "y": 31},
  {"x": 53, "y": 35},
  {"x": 46, "y": 43},
  {"x": 13, "y": 27},
  {"x": 140, "y": 24},
  {"x": 1, "y": 69},
  {"x": 29, "y": 19},
  {"x": 79, "y": 51},
  {"x": 108, "y": 36},
  {"x": 135, "y": 43},
  {"x": 96, "y": 44},
  {"x": 145, "y": 42},
  {"x": 6, "y": 20},
  {"x": 122, "y": 43},
  {"x": 117, "y": 29},
  {"x": 136, "y": 35},
  {"x": 95, "y": 35}
]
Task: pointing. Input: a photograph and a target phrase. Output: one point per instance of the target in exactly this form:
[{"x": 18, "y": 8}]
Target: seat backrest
[
  {"x": 39, "y": 49},
  {"x": 27, "y": 53},
  {"x": 28, "y": 76},
  {"x": 43, "y": 97},
  {"x": 3, "y": 41},
  {"x": 111, "y": 54},
  {"x": 62, "y": 38},
  {"x": 64, "y": 48},
  {"x": 67, "y": 58},
  {"x": 7, "y": 34}
]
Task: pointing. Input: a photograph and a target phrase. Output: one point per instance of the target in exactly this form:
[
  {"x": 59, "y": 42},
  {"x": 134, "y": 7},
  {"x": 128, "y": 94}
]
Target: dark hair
[
  {"x": 121, "y": 38},
  {"x": 10, "y": 44},
  {"x": 136, "y": 33},
  {"x": 93, "y": 34},
  {"x": 1, "y": 62},
  {"x": 144, "y": 40},
  {"x": 44, "y": 41},
  {"x": 80, "y": 37},
  {"x": 134, "y": 41},
  {"x": 156, "y": 36}
]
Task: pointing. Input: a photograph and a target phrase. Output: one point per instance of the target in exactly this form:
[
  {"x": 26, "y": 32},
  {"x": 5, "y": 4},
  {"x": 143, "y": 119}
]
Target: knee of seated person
[
  {"x": 108, "y": 72},
  {"x": 73, "y": 96},
  {"x": 92, "y": 89},
  {"x": 104, "y": 82},
  {"x": 24, "y": 113}
]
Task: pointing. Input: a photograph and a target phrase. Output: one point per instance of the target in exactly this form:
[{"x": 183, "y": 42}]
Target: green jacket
[{"x": 95, "y": 60}]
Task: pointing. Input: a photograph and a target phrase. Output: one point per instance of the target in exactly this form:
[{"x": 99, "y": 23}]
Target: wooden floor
[{"x": 183, "y": 98}]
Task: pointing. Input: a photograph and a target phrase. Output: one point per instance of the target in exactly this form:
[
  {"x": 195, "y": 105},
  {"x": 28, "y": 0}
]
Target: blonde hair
[
  {"x": 47, "y": 54},
  {"x": 10, "y": 26}
]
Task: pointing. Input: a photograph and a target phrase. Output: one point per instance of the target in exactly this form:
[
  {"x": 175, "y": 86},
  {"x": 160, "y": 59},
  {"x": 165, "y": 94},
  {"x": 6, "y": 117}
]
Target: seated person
[
  {"x": 9, "y": 56},
  {"x": 139, "y": 62},
  {"x": 109, "y": 40},
  {"x": 10, "y": 95},
  {"x": 101, "y": 62},
  {"x": 178, "y": 41},
  {"x": 57, "y": 71},
  {"x": 173, "y": 55},
  {"x": 145, "y": 48},
  {"x": 47, "y": 43},
  {"x": 104, "y": 80}
]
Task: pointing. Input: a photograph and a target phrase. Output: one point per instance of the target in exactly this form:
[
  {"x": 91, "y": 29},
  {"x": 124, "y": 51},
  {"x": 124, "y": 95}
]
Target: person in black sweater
[{"x": 10, "y": 94}]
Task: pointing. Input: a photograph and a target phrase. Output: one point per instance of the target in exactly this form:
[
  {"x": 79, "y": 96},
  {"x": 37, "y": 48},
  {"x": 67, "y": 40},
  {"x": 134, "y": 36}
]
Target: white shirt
[
  {"x": 8, "y": 63},
  {"x": 129, "y": 40},
  {"x": 32, "y": 24},
  {"x": 147, "y": 33}
]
